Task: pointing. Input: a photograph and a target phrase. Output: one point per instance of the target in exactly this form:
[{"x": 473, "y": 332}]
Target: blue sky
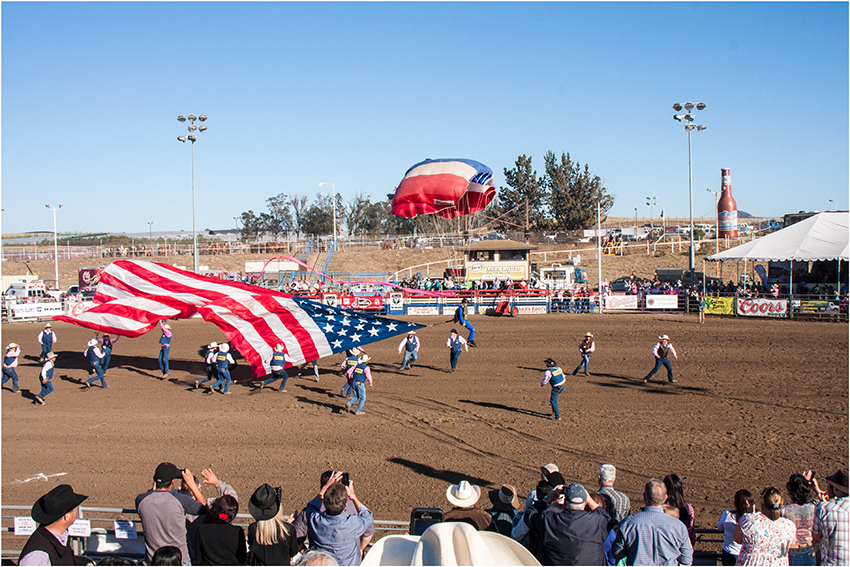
[{"x": 355, "y": 93}]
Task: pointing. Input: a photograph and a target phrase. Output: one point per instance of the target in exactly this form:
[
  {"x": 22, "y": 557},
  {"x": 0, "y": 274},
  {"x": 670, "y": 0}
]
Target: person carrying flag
[
  {"x": 277, "y": 363},
  {"x": 95, "y": 358},
  {"x": 209, "y": 360},
  {"x": 46, "y": 378},
  {"x": 164, "y": 348},
  {"x": 554, "y": 376},
  {"x": 352, "y": 360},
  {"x": 410, "y": 346},
  {"x": 585, "y": 347},
  {"x": 10, "y": 362},
  {"x": 455, "y": 343},
  {"x": 46, "y": 338},
  {"x": 223, "y": 360},
  {"x": 460, "y": 317},
  {"x": 359, "y": 375},
  {"x": 662, "y": 349},
  {"x": 106, "y": 344}
]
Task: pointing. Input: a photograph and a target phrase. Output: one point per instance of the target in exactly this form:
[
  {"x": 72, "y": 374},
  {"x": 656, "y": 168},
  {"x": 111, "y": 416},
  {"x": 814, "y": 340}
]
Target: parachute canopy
[{"x": 446, "y": 187}]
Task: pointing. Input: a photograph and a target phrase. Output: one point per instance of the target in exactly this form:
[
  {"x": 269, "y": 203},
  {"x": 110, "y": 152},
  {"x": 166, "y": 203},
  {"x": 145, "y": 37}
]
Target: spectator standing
[
  {"x": 46, "y": 338},
  {"x": 46, "y": 378},
  {"x": 164, "y": 348},
  {"x": 651, "y": 537},
  {"x": 728, "y": 523},
  {"x": 573, "y": 533},
  {"x": 832, "y": 522},
  {"x": 548, "y": 474},
  {"x": 209, "y": 360},
  {"x": 333, "y": 530},
  {"x": 168, "y": 555},
  {"x": 765, "y": 536},
  {"x": 219, "y": 542},
  {"x": 54, "y": 513},
  {"x": 505, "y": 508},
  {"x": 554, "y": 376},
  {"x": 464, "y": 496},
  {"x": 410, "y": 347},
  {"x": 95, "y": 358},
  {"x": 10, "y": 363},
  {"x": 801, "y": 511},
  {"x": 455, "y": 344},
  {"x": 277, "y": 364},
  {"x": 163, "y": 510},
  {"x": 676, "y": 498},
  {"x": 585, "y": 348},
  {"x": 662, "y": 349},
  {"x": 271, "y": 539},
  {"x": 617, "y": 504}
]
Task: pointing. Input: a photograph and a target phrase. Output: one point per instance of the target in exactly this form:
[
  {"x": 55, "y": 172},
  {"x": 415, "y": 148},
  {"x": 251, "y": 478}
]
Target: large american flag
[{"x": 134, "y": 295}]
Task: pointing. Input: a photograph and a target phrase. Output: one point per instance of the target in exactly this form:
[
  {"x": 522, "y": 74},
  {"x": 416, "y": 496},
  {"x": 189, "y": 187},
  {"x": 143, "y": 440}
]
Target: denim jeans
[
  {"x": 98, "y": 370},
  {"x": 658, "y": 363},
  {"x": 584, "y": 360},
  {"x": 453, "y": 356},
  {"x": 801, "y": 555},
  {"x": 223, "y": 376},
  {"x": 553, "y": 399},
  {"x": 409, "y": 358},
  {"x": 359, "y": 394},
  {"x": 469, "y": 326},
  {"x": 107, "y": 358},
  {"x": 277, "y": 376},
  {"x": 211, "y": 374},
  {"x": 46, "y": 388},
  {"x": 315, "y": 364},
  {"x": 163, "y": 358},
  {"x": 347, "y": 389},
  {"x": 10, "y": 373}
]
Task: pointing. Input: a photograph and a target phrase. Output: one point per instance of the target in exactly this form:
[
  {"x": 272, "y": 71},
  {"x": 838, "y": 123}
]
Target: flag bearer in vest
[
  {"x": 554, "y": 376},
  {"x": 209, "y": 360},
  {"x": 164, "y": 348},
  {"x": 359, "y": 375},
  {"x": 46, "y": 338},
  {"x": 456, "y": 343},
  {"x": 460, "y": 317},
  {"x": 10, "y": 362},
  {"x": 410, "y": 347},
  {"x": 223, "y": 360},
  {"x": 347, "y": 366},
  {"x": 585, "y": 347},
  {"x": 46, "y": 378},
  {"x": 106, "y": 344},
  {"x": 95, "y": 357},
  {"x": 277, "y": 363},
  {"x": 661, "y": 351}
]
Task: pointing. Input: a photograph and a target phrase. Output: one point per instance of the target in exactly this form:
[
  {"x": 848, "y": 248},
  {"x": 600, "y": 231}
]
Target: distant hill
[{"x": 746, "y": 215}]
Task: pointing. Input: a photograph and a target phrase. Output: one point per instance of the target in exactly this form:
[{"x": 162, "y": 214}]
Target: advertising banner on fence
[
  {"x": 35, "y": 310},
  {"x": 365, "y": 302},
  {"x": 762, "y": 307},
  {"x": 531, "y": 309},
  {"x": 77, "y": 308},
  {"x": 720, "y": 305},
  {"x": 423, "y": 309},
  {"x": 662, "y": 301},
  {"x": 396, "y": 302},
  {"x": 621, "y": 302}
]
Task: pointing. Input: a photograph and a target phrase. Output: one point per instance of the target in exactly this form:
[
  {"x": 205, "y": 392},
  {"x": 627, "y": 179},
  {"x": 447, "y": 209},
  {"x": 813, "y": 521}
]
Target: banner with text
[
  {"x": 762, "y": 307},
  {"x": 720, "y": 305},
  {"x": 662, "y": 301},
  {"x": 621, "y": 302}
]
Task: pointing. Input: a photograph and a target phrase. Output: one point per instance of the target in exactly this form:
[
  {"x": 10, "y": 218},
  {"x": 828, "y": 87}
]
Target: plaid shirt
[
  {"x": 832, "y": 521},
  {"x": 621, "y": 503},
  {"x": 652, "y": 537}
]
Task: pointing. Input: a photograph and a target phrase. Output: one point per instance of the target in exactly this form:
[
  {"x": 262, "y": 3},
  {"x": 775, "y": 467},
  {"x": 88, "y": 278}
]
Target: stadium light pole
[
  {"x": 689, "y": 116},
  {"x": 651, "y": 202},
  {"x": 55, "y": 244},
  {"x": 333, "y": 207},
  {"x": 635, "y": 223},
  {"x": 192, "y": 137}
]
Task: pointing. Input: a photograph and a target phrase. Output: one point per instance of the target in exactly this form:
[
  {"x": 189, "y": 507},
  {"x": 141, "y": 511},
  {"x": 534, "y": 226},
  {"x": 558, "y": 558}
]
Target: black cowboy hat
[
  {"x": 838, "y": 479},
  {"x": 264, "y": 503},
  {"x": 504, "y": 499},
  {"x": 55, "y": 504}
]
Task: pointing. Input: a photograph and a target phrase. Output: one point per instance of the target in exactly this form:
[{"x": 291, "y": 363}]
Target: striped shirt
[
  {"x": 652, "y": 537},
  {"x": 832, "y": 522}
]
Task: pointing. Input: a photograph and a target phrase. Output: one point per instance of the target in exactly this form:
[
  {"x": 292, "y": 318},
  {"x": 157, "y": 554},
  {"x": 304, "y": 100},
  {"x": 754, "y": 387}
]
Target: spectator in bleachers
[
  {"x": 117, "y": 560},
  {"x": 464, "y": 496},
  {"x": 271, "y": 539},
  {"x": 617, "y": 504},
  {"x": 728, "y": 523},
  {"x": 54, "y": 513},
  {"x": 765, "y": 536},
  {"x": 219, "y": 542},
  {"x": 318, "y": 558},
  {"x": 572, "y": 533},
  {"x": 801, "y": 511},
  {"x": 651, "y": 537},
  {"x": 333, "y": 530},
  {"x": 193, "y": 522},
  {"x": 167, "y": 555},
  {"x": 163, "y": 510},
  {"x": 676, "y": 498},
  {"x": 832, "y": 522},
  {"x": 505, "y": 508}
]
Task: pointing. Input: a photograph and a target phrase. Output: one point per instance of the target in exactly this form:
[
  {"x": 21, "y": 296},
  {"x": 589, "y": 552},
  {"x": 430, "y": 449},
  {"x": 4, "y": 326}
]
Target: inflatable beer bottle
[{"x": 727, "y": 208}]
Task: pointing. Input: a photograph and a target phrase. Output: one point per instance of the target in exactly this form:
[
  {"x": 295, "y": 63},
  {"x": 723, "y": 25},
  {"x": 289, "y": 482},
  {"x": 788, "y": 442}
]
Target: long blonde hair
[
  {"x": 269, "y": 531},
  {"x": 771, "y": 502}
]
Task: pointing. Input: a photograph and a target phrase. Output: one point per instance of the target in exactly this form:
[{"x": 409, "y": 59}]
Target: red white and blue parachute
[{"x": 445, "y": 187}]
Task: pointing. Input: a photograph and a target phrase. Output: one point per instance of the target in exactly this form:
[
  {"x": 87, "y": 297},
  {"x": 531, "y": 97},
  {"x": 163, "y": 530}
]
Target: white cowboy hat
[
  {"x": 411, "y": 332},
  {"x": 212, "y": 345},
  {"x": 92, "y": 342},
  {"x": 278, "y": 347},
  {"x": 365, "y": 358},
  {"x": 588, "y": 334},
  {"x": 664, "y": 338},
  {"x": 463, "y": 494},
  {"x": 224, "y": 347},
  {"x": 167, "y": 327},
  {"x": 48, "y": 325},
  {"x": 449, "y": 543},
  {"x": 12, "y": 345}
]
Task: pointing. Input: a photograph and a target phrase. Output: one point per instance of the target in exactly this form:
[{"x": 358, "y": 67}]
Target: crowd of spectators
[{"x": 559, "y": 523}]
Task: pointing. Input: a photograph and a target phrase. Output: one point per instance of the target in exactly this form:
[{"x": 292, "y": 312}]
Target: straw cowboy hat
[
  {"x": 588, "y": 334},
  {"x": 212, "y": 345},
  {"x": 224, "y": 348},
  {"x": 463, "y": 494},
  {"x": 12, "y": 345},
  {"x": 50, "y": 355},
  {"x": 46, "y": 326},
  {"x": 411, "y": 332},
  {"x": 449, "y": 543},
  {"x": 504, "y": 499},
  {"x": 92, "y": 342},
  {"x": 365, "y": 358},
  {"x": 664, "y": 338},
  {"x": 167, "y": 327},
  {"x": 55, "y": 504}
]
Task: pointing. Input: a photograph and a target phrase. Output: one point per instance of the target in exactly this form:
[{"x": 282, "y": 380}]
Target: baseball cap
[
  {"x": 575, "y": 494},
  {"x": 166, "y": 472}
]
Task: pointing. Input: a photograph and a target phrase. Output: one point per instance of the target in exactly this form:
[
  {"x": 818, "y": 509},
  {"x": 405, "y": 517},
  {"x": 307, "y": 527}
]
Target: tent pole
[{"x": 791, "y": 291}]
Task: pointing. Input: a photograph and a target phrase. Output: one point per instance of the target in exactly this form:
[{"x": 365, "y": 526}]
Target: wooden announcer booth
[{"x": 498, "y": 259}]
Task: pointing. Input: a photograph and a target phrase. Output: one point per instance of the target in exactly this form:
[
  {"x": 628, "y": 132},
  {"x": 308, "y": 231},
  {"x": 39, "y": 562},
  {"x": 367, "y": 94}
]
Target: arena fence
[{"x": 105, "y": 532}]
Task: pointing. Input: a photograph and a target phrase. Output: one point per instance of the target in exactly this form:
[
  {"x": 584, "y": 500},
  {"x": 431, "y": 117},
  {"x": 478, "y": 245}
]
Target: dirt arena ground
[{"x": 755, "y": 400}]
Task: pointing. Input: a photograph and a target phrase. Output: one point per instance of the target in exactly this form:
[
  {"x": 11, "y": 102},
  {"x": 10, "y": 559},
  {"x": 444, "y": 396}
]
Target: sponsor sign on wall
[
  {"x": 79, "y": 307},
  {"x": 396, "y": 302},
  {"x": 423, "y": 310},
  {"x": 720, "y": 305},
  {"x": 762, "y": 307},
  {"x": 366, "y": 302},
  {"x": 478, "y": 271},
  {"x": 531, "y": 309},
  {"x": 621, "y": 302},
  {"x": 662, "y": 301},
  {"x": 33, "y": 310},
  {"x": 330, "y": 299}
]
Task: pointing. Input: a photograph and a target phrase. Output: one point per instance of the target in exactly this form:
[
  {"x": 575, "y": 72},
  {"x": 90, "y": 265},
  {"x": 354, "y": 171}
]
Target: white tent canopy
[{"x": 824, "y": 236}]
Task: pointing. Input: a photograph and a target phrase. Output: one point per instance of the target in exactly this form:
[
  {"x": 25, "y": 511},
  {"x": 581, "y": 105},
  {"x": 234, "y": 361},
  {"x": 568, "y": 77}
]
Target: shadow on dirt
[
  {"x": 451, "y": 477},
  {"x": 503, "y": 407}
]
